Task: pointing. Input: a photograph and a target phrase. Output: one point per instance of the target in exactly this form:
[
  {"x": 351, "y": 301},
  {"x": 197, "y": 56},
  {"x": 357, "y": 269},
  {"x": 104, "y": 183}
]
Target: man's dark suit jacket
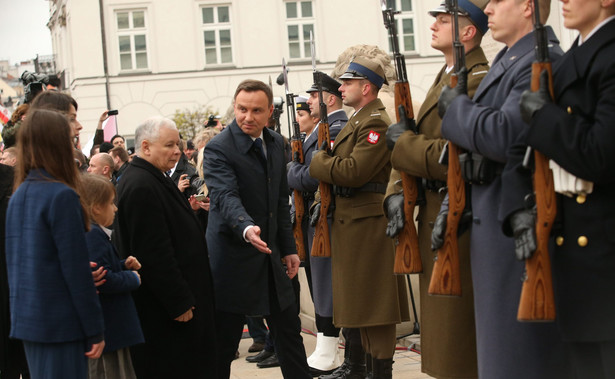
[
  {"x": 158, "y": 227},
  {"x": 243, "y": 193}
]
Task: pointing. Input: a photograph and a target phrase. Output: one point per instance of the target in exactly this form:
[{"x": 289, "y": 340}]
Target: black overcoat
[
  {"x": 242, "y": 192},
  {"x": 158, "y": 227}
]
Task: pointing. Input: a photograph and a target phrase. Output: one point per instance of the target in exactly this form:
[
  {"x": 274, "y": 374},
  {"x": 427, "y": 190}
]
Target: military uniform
[
  {"x": 488, "y": 125},
  {"x": 577, "y": 133},
  {"x": 448, "y": 343}
]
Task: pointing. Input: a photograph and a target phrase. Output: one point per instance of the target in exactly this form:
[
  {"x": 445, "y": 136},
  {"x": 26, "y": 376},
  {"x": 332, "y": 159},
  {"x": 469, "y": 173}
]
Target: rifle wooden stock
[
  {"x": 537, "y": 300},
  {"x": 407, "y": 254},
  {"x": 297, "y": 148},
  {"x": 321, "y": 245},
  {"x": 446, "y": 274}
]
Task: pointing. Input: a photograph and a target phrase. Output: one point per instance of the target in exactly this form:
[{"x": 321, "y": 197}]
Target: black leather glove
[
  {"x": 523, "y": 225},
  {"x": 296, "y": 156},
  {"x": 399, "y": 128},
  {"x": 449, "y": 94},
  {"x": 439, "y": 226},
  {"x": 439, "y": 229},
  {"x": 323, "y": 147},
  {"x": 531, "y": 102},
  {"x": 315, "y": 215},
  {"x": 394, "y": 206}
]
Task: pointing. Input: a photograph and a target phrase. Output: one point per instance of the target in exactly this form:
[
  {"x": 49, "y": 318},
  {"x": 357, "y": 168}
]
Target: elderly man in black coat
[
  {"x": 156, "y": 224},
  {"x": 249, "y": 232}
]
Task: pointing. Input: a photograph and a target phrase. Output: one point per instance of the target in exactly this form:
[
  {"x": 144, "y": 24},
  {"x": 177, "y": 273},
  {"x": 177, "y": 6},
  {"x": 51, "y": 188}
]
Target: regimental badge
[{"x": 373, "y": 137}]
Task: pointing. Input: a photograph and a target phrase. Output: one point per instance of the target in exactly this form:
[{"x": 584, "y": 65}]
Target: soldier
[
  {"x": 487, "y": 126},
  {"x": 576, "y": 132},
  {"x": 448, "y": 342},
  {"x": 366, "y": 294},
  {"x": 324, "y": 359}
]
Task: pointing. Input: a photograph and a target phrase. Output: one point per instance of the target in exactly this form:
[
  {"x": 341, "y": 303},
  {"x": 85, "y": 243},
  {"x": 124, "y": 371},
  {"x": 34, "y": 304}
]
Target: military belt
[{"x": 368, "y": 187}]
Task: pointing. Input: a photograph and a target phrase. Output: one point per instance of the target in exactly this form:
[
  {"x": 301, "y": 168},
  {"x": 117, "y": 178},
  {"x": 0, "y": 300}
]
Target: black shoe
[
  {"x": 339, "y": 372},
  {"x": 317, "y": 373},
  {"x": 256, "y": 347},
  {"x": 260, "y": 356},
  {"x": 272, "y": 361}
]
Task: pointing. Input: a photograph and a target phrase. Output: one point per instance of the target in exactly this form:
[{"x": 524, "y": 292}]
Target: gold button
[
  {"x": 559, "y": 240},
  {"x": 581, "y": 199},
  {"x": 569, "y": 110},
  {"x": 582, "y": 241}
]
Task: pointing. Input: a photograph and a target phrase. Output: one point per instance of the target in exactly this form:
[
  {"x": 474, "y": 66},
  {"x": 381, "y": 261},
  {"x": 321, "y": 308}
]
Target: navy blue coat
[
  {"x": 577, "y": 132},
  {"x": 242, "y": 192},
  {"x": 52, "y": 294},
  {"x": 122, "y": 327},
  {"x": 299, "y": 178},
  {"x": 489, "y": 124}
]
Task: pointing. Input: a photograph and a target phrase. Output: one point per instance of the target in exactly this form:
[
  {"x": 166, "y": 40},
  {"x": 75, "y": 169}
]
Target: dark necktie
[{"x": 258, "y": 145}]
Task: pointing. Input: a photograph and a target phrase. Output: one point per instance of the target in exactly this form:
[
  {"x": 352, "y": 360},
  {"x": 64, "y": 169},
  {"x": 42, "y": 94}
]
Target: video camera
[{"x": 33, "y": 84}]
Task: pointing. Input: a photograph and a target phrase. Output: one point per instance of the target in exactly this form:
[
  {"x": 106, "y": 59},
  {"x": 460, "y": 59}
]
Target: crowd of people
[{"x": 147, "y": 263}]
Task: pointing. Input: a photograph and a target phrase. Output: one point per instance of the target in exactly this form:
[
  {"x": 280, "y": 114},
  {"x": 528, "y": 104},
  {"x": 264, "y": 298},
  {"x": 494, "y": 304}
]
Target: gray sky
[{"x": 23, "y": 29}]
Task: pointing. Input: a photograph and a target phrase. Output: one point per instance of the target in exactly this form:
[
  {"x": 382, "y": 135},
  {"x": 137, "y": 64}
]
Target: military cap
[
  {"x": 365, "y": 68},
  {"x": 301, "y": 103},
  {"x": 472, "y": 9},
  {"x": 328, "y": 84}
]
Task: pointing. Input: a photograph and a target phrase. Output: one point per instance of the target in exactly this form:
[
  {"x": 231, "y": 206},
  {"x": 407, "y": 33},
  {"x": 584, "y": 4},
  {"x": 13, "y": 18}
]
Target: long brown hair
[
  {"x": 43, "y": 142},
  {"x": 96, "y": 190}
]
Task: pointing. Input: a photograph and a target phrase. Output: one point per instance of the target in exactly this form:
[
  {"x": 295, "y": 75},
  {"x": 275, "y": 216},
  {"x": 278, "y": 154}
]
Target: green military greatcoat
[
  {"x": 448, "y": 343},
  {"x": 365, "y": 290}
]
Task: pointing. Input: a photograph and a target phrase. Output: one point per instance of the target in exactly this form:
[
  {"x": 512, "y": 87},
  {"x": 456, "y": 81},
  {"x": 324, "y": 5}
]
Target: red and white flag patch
[{"x": 373, "y": 137}]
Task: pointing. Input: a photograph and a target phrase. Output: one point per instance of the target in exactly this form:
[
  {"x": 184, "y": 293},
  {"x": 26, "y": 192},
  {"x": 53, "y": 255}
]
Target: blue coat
[
  {"x": 577, "y": 132},
  {"x": 52, "y": 293},
  {"x": 242, "y": 192},
  {"x": 489, "y": 124},
  {"x": 299, "y": 178},
  {"x": 122, "y": 327}
]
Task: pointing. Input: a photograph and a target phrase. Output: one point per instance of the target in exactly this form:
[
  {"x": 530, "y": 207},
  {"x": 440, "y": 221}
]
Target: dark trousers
[
  {"x": 57, "y": 360},
  {"x": 285, "y": 328},
  {"x": 594, "y": 360}
]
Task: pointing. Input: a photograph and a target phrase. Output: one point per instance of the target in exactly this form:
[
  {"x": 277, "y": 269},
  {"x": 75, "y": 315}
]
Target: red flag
[
  {"x": 110, "y": 128},
  {"x": 5, "y": 114}
]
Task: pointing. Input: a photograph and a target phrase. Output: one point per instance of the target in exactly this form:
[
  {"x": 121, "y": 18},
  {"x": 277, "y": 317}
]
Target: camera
[
  {"x": 112, "y": 112},
  {"x": 33, "y": 84}
]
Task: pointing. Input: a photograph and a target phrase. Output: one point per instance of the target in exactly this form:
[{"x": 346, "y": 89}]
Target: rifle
[
  {"x": 537, "y": 301},
  {"x": 407, "y": 254},
  {"x": 445, "y": 277},
  {"x": 297, "y": 153},
  {"x": 321, "y": 245}
]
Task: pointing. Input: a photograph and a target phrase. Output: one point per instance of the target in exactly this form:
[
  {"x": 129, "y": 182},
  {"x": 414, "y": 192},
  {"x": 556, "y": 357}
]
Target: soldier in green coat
[
  {"x": 366, "y": 294},
  {"x": 448, "y": 341}
]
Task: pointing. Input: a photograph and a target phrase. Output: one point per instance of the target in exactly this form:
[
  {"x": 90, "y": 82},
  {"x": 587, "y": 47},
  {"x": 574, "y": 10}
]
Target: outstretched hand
[{"x": 253, "y": 235}]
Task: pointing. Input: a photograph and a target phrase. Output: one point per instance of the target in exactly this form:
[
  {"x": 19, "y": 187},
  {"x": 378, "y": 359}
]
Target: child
[{"x": 122, "y": 328}]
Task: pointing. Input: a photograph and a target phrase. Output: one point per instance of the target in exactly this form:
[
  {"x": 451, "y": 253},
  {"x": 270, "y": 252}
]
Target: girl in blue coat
[
  {"x": 54, "y": 307},
  {"x": 122, "y": 327}
]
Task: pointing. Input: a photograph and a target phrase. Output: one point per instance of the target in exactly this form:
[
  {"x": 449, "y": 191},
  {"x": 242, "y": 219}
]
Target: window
[
  {"x": 300, "y": 22},
  {"x": 217, "y": 34},
  {"x": 405, "y": 25},
  {"x": 131, "y": 38}
]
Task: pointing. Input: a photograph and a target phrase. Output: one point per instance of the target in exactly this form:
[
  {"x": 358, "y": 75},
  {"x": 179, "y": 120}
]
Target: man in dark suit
[
  {"x": 249, "y": 232},
  {"x": 156, "y": 224}
]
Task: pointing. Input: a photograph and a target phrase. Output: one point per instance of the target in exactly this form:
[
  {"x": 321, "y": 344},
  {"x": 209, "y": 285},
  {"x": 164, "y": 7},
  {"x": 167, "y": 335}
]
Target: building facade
[{"x": 153, "y": 57}]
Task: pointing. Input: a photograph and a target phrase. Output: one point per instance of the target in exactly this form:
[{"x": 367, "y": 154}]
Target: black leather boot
[
  {"x": 383, "y": 368},
  {"x": 369, "y": 366},
  {"x": 352, "y": 368}
]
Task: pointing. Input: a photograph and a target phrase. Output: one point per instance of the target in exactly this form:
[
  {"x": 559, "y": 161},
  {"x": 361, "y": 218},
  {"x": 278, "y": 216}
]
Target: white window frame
[
  {"x": 217, "y": 27},
  {"x": 399, "y": 20},
  {"x": 132, "y": 32},
  {"x": 300, "y": 22}
]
